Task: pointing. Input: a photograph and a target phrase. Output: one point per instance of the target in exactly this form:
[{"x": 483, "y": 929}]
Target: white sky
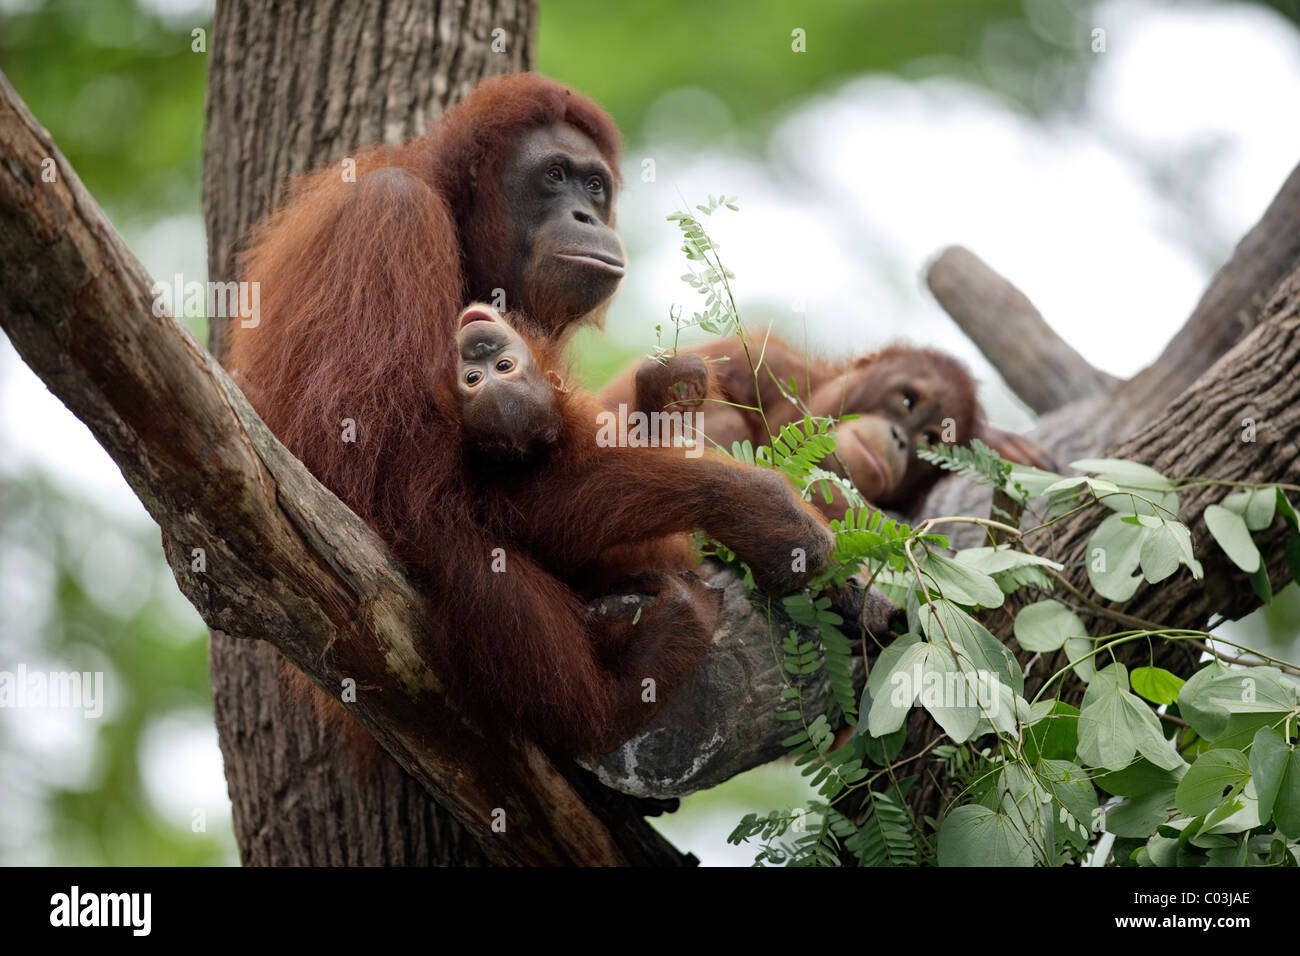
[{"x": 891, "y": 172}]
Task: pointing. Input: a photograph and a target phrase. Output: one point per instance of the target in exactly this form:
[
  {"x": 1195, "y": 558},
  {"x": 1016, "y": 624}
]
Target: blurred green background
[{"x": 83, "y": 584}]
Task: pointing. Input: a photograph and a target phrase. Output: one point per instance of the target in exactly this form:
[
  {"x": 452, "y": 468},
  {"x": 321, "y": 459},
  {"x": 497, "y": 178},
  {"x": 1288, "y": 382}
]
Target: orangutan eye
[
  {"x": 595, "y": 185},
  {"x": 555, "y": 174},
  {"x": 931, "y": 437},
  {"x": 473, "y": 377},
  {"x": 505, "y": 365},
  {"x": 909, "y": 399}
]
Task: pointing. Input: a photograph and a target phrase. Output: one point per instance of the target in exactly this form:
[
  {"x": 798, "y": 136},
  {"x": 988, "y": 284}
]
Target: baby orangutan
[{"x": 606, "y": 519}]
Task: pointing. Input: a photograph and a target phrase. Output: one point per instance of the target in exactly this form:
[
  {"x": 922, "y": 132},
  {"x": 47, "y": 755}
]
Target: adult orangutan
[
  {"x": 903, "y": 397},
  {"x": 353, "y": 366}
]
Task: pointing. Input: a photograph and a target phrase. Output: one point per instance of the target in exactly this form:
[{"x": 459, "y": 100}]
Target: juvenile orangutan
[
  {"x": 608, "y": 518},
  {"x": 902, "y": 397}
]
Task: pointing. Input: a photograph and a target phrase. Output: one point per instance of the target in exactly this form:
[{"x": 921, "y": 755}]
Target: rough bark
[
  {"x": 1230, "y": 308},
  {"x": 723, "y": 720}
]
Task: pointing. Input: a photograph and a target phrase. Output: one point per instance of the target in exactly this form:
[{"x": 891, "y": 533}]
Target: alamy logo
[
  {"x": 651, "y": 430},
  {"x": 103, "y": 909},
  {"x": 65, "y": 690},
  {"x": 951, "y": 689},
  {"x": 194, "y": 299}
]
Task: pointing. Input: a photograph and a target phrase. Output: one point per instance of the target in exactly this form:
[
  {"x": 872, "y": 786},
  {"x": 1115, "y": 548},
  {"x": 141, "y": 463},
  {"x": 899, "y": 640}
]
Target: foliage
[
  {"x": 120, "y": 88},
  {"x": 1197, "y": 771},
  {"x": 751, "y": 67},
  {"x": 82, "y": 793}
]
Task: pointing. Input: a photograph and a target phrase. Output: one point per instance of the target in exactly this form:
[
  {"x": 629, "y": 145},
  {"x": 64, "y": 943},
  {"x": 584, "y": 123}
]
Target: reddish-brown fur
[
  {"x": 825, "y": 387},
  {"x": 611, "y": 519},
  {"x": 361, "y": 283}
]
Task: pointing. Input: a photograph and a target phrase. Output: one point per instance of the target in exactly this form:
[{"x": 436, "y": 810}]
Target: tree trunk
[{"x": 292, "y": 86}]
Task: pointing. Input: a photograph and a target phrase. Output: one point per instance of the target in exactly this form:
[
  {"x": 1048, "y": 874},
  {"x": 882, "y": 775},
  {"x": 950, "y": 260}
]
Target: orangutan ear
[
  {"x": 866, "y": 360},
  {"x": 557, "y": 383}
]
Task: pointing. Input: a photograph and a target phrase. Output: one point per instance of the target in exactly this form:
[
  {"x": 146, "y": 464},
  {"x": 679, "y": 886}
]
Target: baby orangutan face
[{"x": 509, "y": 409}]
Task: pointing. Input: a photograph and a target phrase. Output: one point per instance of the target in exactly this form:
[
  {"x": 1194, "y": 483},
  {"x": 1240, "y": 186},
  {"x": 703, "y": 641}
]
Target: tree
[
  {"x": 286, "y": 569},
  {"x": 265, "y": 126}
]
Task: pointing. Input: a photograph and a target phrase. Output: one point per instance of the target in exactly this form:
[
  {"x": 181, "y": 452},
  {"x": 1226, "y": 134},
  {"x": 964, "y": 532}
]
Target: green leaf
[
  {"x": 996, "y": 560},
  {"x": 976, "y": 648},
  {"x": 1256, "y": 506},
  {"x": 1275, "y": 768},
  {"x": 1114, "y": 552},
  {"x": 1138, "y": 484},
  {"x": 1241, "y": 729},
  {"x": 1079, "y": 651},
  {"x": 1138, "y": 815},
  {"x": 1286, "y": 809},
  {"x": 977, "y": 836},
  {"x": 893, "y": 697},
  {"x": 1238, "y": 812},
  {"x": 1045, "y": 625},
  {"x": 1106, "y": 738},
  {"x": 1098, "y": 486},
  {"x": 1207, "y": 717},
  {"x": 1114, "y": 725},
  {"x": 1288, "y": 512},
  {"x": 887, "y": 662},
  {"x": 1162, "y": 850},
  {"x": 1072, "y": 791},
  {"x": 1261, "y": 585},
  {"x": 1159, "y": 555},
  {"x": 1055, "y": 735},
  {"x": 1234, "y": 855},
  {"x": 1121, "y": 470},
  {"x": 1139, "y": 777},
  {"x": 949, "y": 694},
  {"x": 1156, "y": 684},
  {"x": 1011, "y": 569},
  {"x": 1203, "y": 787},
  {"x": 1164, "y": 548},
  {"x": 880, "y": 750},
  {"x": 1001, "y": 708},
  {"x": 961, "y": 583},
  {"x": 1034, "y": 481},
  {"x": 1293, "y": 557},
  {"x": 1255, "y": 690},
  {"x": 1230, "y": 531}
]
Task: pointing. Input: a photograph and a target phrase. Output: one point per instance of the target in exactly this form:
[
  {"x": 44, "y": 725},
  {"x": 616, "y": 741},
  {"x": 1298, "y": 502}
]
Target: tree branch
[
  {"x": 1036, "y": 363},
  {"x": 1240, "y": 421},
  {"x": 723, "y": 719},
  {"x": 1228, "y": 310}
]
